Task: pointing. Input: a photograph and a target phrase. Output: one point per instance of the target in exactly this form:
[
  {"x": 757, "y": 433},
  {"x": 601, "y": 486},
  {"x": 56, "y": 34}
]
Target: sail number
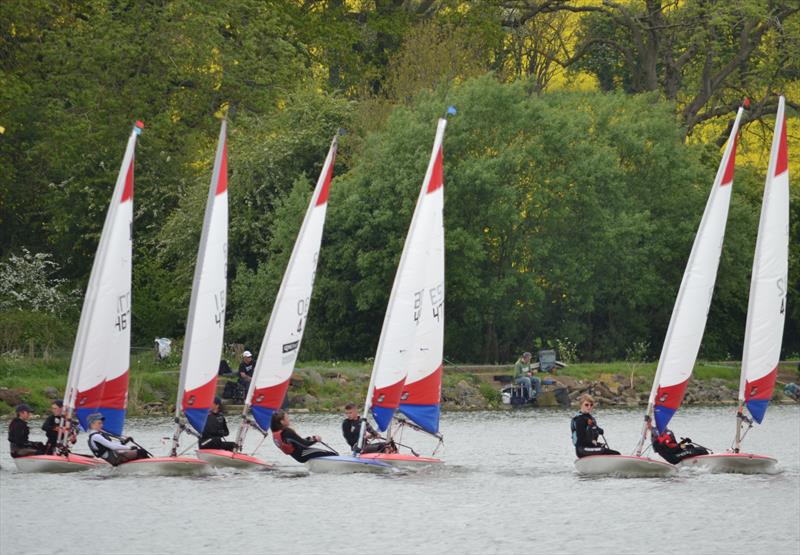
[
  {"x": 123, "y": 312},
  {"x": 219, "y": 308},
  {"x": 437, "y": 300},
  {"x": 302, "y": 312}
]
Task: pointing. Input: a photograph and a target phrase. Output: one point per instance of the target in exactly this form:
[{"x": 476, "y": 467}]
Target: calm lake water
[{"x": 509, "y": 486}]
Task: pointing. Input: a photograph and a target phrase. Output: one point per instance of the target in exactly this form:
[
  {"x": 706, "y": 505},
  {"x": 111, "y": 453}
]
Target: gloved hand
[{"x": 600, "y": 431}]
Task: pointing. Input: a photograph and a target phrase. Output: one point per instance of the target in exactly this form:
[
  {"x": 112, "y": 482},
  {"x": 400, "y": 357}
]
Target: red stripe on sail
[
  {"x": 727, "y": 178},
  {"x": 427, "y": 391},
  {"x": 127, "y": 191},
  {"x": 109, "y": 394},
  {"x": 761, "y": 389},
  {"x": 326, "y": 184},
  {"x": 388, "y": 397},
  {"x": 671, "y": 396},
  {"x": 270, "y": 397},
  {"x": 437, "y": 176},
  {"x": 783, "y": 156},
  {"x": 222, "y": 179},
  {"x": 200, "y": 397}
]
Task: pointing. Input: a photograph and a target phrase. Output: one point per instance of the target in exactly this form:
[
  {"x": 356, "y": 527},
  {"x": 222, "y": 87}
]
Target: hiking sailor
[
  {"x": 288, "y": 441},
  {"x": 105, "y": 447}
]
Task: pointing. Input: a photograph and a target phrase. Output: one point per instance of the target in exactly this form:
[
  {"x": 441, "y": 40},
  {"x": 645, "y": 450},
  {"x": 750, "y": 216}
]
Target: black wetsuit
[
  {"x": 214, "y": 432},
  {"x": 50, "y": 427},
  {"x": 20, "y": 445},
  {"x": 585, "y": 435},
  {"x": 299, "y": 448},
  {"x": 352, "y": 428},
  {"x": 673, "y": 451}
]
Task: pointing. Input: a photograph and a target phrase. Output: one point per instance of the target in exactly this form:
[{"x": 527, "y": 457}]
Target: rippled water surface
[{"x": 509, "y": 486}]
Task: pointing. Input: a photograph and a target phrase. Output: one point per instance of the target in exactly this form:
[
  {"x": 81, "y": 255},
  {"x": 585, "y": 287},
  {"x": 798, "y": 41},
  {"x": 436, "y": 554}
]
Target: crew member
[
  {"x": 586, "y": 433},
  {"x": 216, "y": 429},
  {"x": 18, "y": 433},
  {"x": 351, "y": 429},
  {"x": 288, "y": 441},
  {"x": 105, "y": 447},
  {"x": 674, "y": 451},
  {"x": 53, "y": 425}
]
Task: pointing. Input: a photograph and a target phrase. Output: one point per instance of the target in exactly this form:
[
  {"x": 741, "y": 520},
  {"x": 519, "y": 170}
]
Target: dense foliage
[{"x": 571, "y": 196}]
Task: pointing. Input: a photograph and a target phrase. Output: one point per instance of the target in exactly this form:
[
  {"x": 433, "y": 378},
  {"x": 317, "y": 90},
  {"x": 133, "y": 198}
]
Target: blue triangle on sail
[
  {"x": 662, "y": 415},
  {"x": 263, "y": 416},
  {"x": 757, "y": 408},
  {"x": 425, "y": 416},
  {"x": 383, "y": 416},
  {"x": 197, "y": 418},
  {"x": 114, "y": 419}
]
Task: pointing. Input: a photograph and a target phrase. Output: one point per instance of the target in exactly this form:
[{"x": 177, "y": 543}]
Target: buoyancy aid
[
  {"x": 667, "y": 438},
  {"x": 99, "y": 450},
  {"x": 280, "y": 443}
]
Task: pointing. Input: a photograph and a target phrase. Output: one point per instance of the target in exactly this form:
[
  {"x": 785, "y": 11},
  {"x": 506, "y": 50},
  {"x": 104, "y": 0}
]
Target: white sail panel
[
  {"x": 688, "y": 321},
  {"x": 205, "y": 326},
  {"x": 98, "y": 374},
  {"x": 766, "y": 310},
  {"x": 284, "y": 333},
  {"x": 421, "y": 395}
]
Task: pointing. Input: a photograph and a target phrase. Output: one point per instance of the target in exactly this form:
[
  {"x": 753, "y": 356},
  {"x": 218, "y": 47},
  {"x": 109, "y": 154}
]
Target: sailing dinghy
[
  {"x": 765, "y": 314},
  {"x": 98, "y": 371},
  {"x": 284, "y": 333},
  {"x": 407, "y": 372},
  {"x": 685, "y": 331},
  {"x": 205, "y": 327}
]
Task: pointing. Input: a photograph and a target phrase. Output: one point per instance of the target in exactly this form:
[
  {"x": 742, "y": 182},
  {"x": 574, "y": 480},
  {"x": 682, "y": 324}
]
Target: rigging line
[{"x": 263, "y": 437}]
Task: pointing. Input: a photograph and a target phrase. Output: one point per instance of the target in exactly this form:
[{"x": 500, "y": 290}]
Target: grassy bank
[{"x": 327, "y": 386}]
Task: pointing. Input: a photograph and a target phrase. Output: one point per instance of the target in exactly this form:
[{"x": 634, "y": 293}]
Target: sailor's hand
[
  {"x": 316, "y": 438},
  {"x": 600, "y": 431}
]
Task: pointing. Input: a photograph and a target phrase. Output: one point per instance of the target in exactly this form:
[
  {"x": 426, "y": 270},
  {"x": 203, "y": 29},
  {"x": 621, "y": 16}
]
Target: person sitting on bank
[
  {"x": 674, "y": 451},
  {"x": 288, "y": 441},
  {"x": 216, "y": 429},
  {"x": 106, "y": 447},
  {"x": 246, "y": 368},
  {"x": 351, "y": 429},
  {"x": 586, "y": 433},
  {"x": 18, "y": 435},
  {"x": 523, "y": 375},
  {"x": 54, "y": 425}
]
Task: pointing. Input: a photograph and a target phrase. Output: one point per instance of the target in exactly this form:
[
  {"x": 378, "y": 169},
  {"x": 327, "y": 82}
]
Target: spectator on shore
[{"x": 523, "y": 375}]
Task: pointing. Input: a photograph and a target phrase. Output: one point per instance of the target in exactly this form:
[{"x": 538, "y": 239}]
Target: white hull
[
  {"x": 732, "y": 463},
  {"x": 54, "y": 464},
  {"x": 342, "y": 464},
  {"x": 623, "y": 466},
  {"x": 406, "y": 462},
  {"x": 227, "y": 459},
  {"x": 166, "y": 466}
]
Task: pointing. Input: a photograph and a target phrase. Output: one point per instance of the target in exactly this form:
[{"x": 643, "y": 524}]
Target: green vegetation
[{"x": 576, "y": 170}]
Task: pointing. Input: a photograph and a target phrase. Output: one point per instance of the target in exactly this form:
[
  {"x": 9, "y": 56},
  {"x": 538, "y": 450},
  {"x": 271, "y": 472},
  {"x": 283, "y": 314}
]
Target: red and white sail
[
  {"x": 98, "y": 371},
  {"x": 766, "y": 310},
  {"x": 205, "y": 325},
  {"x": 420, "y": 399},
  {"x": 688, "y": 321},
  {"x": 281, "y": 343},
  {"x": 409, "y": 322}
]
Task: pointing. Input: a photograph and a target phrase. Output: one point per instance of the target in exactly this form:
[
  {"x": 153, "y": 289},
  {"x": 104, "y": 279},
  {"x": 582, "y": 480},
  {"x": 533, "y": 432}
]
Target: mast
[
  {"x": 284, "y": 334},
  {"x": 690, "y": 312},
  {"x": 206, "y": 320},
  {"x": 766, "y": 310},
  {"x": 390, "y": 367},
  {"x": 107, "y": 300}
]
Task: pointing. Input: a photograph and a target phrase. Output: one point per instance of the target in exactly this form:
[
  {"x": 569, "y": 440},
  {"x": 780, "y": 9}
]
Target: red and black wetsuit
[
  {"x": 299, "y": 448},
  {"x": 673, "y": 451}
]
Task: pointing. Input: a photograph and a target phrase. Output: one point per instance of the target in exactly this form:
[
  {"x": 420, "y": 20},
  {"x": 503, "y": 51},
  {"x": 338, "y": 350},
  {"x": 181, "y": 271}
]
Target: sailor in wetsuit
[
  {"x": 54, "y": 424},
  {"x": 216, "y": 429},
  {"x": 351, "y": 429},
  {"x": 586, "y": 433},
  {"x": 287, "y": 440},
  {"x": 105, "y": 447},
  {"x": 18, "y": 433},
  {"x": 674, "y": 451}
]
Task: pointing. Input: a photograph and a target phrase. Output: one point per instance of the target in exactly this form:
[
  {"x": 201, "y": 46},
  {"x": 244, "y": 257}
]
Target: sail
[
  {"x": 206, "y": 322},
  {"x": 98, "y": 371},
  {"x": 688, "y": 321},
  {"x": 281, "y": 343},
  {"x": 421, "y": 396},
  {"x": 398, "y": 335},
  {"x": 769, "y": 282}
]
